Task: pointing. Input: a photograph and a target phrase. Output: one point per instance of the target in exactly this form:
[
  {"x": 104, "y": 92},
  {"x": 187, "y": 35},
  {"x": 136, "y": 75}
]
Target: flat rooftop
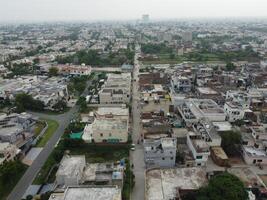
[
  {"x": 113, "y": 110},
  {"x": 93, "y": 193},
  {"x": 110, "y": 124},
  {"x": 206, "y": 90},
  {"x": 161, "y": 184},
  {"x": 168, "y": 142},
  {"x": 71, "y": 165}
]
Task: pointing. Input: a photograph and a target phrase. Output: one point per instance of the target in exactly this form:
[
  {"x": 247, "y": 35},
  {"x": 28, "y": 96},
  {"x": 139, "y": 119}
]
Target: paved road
[
  {"x": 137, "y": 156},
  {"x": 63, "y": 121},
  {"x": 32, "y": 171}
]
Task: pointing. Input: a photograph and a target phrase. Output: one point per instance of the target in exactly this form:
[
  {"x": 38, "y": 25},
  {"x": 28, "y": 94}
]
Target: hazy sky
[{"x": 49, "y": 10}]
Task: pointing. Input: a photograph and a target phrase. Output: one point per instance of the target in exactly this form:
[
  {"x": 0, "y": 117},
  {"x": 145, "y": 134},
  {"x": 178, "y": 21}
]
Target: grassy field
[
  {"x": 39, "y": 127},
  {"x": 52, "y": 127},
  {"x": 95, "y": 154}
]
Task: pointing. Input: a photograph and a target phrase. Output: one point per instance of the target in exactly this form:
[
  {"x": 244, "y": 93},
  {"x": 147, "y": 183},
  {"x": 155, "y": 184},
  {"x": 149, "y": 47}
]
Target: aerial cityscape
[{"x": 141, "y": 108}]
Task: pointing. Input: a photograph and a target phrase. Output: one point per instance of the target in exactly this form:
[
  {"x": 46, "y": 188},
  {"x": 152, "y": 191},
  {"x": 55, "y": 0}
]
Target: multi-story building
[
  {"x": 116, "y": 90},
  {"x": 70, "y": 170},
  {"x": 234, "y": 111},
  {"x": 254, "y": 145},
  {"x": 16, "y": 129},
  {"x": 199, "y": 148},
  {"x": 160, "y": 152},
  {"x": 194, "y": 110},
  {"x": 181, "y": 84},
  {"x": 106, "y": 131}
]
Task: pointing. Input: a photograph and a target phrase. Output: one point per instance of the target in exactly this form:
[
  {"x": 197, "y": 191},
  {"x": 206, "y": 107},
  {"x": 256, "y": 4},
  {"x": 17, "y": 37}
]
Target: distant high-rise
[{"x": 145, "y": 18}]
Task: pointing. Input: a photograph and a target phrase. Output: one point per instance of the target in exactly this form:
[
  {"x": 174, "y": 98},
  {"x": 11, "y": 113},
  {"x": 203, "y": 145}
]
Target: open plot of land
[
  {"x": 151, "y": 106},
  {"x": 95, "y": 154}
]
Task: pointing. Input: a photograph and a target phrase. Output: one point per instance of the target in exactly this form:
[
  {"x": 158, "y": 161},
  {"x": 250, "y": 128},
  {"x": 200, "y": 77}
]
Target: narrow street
[{"x": 137, "y": 156}]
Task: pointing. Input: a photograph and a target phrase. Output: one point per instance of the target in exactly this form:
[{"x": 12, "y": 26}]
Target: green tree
[
  {"x": 231, "y": 141},
  {"x": 53, "y": 71},
  {"x": 223, "y": 187},
  {"x": 60, "y": 105},
  {"x": 24, "y": 101},
  {"x": 230, "y": 66}
]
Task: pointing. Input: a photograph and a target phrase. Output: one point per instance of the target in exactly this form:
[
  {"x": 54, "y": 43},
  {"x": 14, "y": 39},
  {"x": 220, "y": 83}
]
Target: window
[
  {"x": 171, "y": 158},
  {"x": 163, "y": 158},
  {"x": 110, "y": 134},
  {"x": 101, "y": 134},
  {"x": 259, "y": 160},
  {"x": 199, "y": 157}
]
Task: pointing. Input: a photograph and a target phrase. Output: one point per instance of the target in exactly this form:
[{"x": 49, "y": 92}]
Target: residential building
[
  {"x": 234, "y": 111},
  {"x": 47, "y": 90},
  {"x": 254, "y": 144},
  {"x": 199, "y": 149},
  {"x": 75, "y": 70},
  {"x": 160, "y": 152},
  {"x": 106, "y": 131},
  {"x": 70, "y": 170},
  {"x": 181, "y": 84},
  {"x": 17, "y": 129},
  {"x": 89, "y": 192},
  {"x": 208, "y": 133},
  {"x": 116, "y": 89},
  {"x": 194, "y": 110},
  {"x": 174, "y": 183}
]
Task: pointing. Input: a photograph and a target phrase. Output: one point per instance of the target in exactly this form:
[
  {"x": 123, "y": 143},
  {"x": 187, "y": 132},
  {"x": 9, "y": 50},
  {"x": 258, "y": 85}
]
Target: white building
[
  {"x": 88, "y": 193},
  {"x": 116, "y": 90},
  {"x": 254, "y": 145},
  {"x": 234, "y": 111},
  {"x": 194, "y": 110},
  {"x": 199, "y": 148},
  {"x": 70, "y": 170},
  {"x": 106, "y": 131},
  {"x": 180, "y": 84},
  {"x": 160, "y": 152}
]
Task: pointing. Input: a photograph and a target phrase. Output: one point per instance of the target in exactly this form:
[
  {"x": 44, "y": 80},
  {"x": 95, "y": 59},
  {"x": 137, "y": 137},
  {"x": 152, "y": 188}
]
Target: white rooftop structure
[
  {"x": 89, "y": 193},
  {"x": 162, "y": 184},
  {"x": 70, "y": 170}
]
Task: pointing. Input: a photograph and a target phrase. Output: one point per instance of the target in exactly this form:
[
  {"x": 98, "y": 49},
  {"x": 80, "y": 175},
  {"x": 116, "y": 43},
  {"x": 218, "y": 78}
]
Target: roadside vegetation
[
  {"x": 93, "y": 153},
  {"x": 52, "y": 127},
  {"x": 10, "y": 174},
  {"x": 39, "y": 126}
]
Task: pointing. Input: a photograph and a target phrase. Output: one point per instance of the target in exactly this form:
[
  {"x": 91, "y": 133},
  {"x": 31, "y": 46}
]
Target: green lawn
[
  {"x": 52, "y": 127},
  {"x": 39, "y": 127}
]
